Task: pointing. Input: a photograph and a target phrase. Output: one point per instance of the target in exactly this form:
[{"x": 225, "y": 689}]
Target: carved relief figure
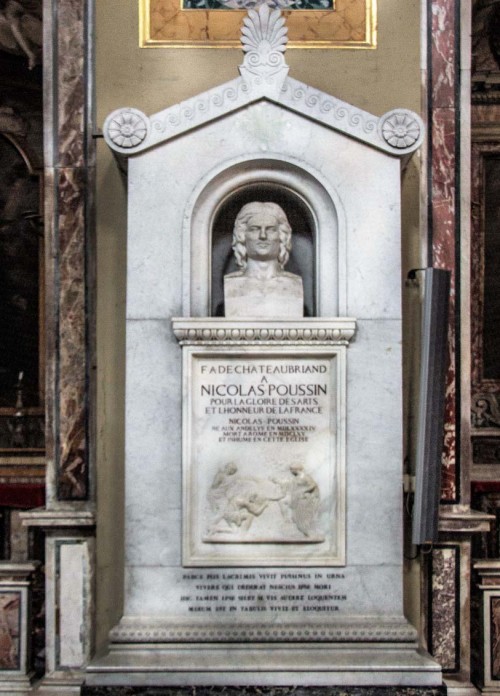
[
  {"x": 241, "y": 511},
  {"x": 21, "y": 29},
  {"x": 288, "y": 508},
  {"x": 9, "y": 631},
  {"x": 262, "y": 240},
  {"x": 485, "y": 35},
  {"x": 304, "y": 500},
  {"x": 223, "y": 481}
]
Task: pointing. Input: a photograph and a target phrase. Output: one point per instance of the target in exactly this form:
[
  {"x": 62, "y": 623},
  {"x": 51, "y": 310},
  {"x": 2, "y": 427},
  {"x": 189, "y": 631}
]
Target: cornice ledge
[
  {"x": 487, "y": 573},
  {"x": 10, "y": 570},
  {"x": 212, "y": 330},
  {"x": 41, "y": 517},
  {"x": 399, "y": 132},
  {"x": 462, "y": 519}
]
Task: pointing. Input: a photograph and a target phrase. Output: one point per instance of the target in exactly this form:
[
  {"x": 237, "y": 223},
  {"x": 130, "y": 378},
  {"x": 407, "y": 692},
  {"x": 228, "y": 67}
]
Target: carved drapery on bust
[{"x": 262, "y": 240}]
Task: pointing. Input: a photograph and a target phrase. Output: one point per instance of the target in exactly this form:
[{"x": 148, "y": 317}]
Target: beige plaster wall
[{"x": 152, "y": 79}]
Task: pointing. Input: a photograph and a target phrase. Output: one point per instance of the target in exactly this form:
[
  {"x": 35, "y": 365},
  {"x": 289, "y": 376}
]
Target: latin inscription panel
[{"x": 263, "y": 456}]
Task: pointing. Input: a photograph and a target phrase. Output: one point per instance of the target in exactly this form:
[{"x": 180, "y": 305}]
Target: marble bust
[{"x": 262, "y": 240}]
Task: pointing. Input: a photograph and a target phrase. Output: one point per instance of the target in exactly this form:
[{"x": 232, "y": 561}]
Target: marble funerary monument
[{"x": 263, "y": 497}]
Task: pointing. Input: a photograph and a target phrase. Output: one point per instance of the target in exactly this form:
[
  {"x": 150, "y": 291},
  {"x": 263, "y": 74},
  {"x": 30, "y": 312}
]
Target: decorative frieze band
[
  {"x": 352, "y": 632},
  {"x": 204, "y": 331}
]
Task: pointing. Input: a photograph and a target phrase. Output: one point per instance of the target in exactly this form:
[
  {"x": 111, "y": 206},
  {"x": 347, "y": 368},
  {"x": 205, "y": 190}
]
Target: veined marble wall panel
[
  {"x": 72, "y": 89},
  {"x": 495, "y": 637},
  {"x": 444, "y": 199},
  {"x": 445, "y": 593},
  {"x": 10, "y": 630},
  {"x": 68, "y": 160},
  {"x": 72, "y": 188}
]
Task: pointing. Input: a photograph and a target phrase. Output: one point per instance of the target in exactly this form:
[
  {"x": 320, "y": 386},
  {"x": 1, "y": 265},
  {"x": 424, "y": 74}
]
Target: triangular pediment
[{"x": 263, "y": 76}]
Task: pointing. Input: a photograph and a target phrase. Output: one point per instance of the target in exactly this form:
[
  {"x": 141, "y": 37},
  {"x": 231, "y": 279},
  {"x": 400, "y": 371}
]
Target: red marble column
[
  {"x": 69, "y": 159},
  {"x": 444, "y": 214}
]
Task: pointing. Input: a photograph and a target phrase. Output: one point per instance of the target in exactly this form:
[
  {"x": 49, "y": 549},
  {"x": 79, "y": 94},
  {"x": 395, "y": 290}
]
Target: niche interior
[{"x": 302, "y": 259}]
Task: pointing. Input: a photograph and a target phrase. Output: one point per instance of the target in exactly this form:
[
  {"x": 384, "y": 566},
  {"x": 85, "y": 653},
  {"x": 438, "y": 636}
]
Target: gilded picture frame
[{"x": 164, "y": 23}]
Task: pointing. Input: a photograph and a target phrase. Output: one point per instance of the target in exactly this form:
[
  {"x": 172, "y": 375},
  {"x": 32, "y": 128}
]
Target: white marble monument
[{"x": 263, "y": 398}]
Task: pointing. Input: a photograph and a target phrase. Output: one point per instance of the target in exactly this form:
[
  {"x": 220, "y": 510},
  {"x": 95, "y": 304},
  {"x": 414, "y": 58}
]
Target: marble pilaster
[
  {"x": 446, "y": 610},
  {"x": 68, "y": 519}
]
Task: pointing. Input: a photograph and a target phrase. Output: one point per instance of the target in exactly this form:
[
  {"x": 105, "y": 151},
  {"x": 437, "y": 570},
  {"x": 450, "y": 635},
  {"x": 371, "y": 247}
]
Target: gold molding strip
[{"x": 221, "y": 28}]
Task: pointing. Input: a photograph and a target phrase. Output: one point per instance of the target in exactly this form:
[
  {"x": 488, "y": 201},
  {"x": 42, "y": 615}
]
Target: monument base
[
  {"x": 262, "y": 664},
  {"x": 272, "y": 691}
]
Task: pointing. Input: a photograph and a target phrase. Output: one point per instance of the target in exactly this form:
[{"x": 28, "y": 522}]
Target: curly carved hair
[{"x": 241, "y": 224}]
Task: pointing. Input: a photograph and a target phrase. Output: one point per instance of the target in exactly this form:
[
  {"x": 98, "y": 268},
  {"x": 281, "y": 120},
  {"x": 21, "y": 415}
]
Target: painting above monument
[
  {"x": 249, "y": 4},
  {"x": 216, "y": 23}
]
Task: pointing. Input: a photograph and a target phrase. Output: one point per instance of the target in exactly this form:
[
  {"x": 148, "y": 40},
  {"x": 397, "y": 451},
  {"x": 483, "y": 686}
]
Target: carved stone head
[{"x": 268, "y": 216}]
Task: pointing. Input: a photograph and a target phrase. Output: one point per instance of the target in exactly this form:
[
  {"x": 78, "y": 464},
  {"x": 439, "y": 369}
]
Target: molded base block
[
  {"x": 59, "y": 684},
  {"x": 263, "y": 664},
  {"x": 271, "y": 691},
  {"x": 15, "y": 685}
]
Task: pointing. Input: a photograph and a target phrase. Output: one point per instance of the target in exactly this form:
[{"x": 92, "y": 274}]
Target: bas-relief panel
[
  {"x": 10, "y": 629},
  {"x": 263, "y": 479},
  {"x": 495, "y": 637},
  {"x": 352, "y": 23}
]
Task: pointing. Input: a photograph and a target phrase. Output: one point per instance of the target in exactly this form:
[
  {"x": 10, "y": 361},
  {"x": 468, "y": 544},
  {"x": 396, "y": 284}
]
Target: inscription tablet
[{"x": 263, "y": 457}]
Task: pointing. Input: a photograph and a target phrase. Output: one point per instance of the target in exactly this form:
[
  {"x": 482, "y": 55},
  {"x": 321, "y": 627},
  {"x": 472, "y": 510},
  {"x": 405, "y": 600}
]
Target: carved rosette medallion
[
  {"x": 126, "y": 128},
  {"x": 401, "y": 129}
]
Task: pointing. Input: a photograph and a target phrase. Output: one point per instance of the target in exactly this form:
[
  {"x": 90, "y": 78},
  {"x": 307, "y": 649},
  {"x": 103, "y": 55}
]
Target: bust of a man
[{"x": 262, "y": 240}]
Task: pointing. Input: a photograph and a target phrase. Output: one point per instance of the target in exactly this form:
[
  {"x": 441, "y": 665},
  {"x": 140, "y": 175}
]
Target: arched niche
[
  {"x": 317, "y": 218},
  {"x": 302, "y": 255}
]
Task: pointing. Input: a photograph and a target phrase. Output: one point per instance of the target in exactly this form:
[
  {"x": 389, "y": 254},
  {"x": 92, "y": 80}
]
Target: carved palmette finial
[
  {"x": 264, "y": 31},
  {"x": 264, "y": 38}
]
